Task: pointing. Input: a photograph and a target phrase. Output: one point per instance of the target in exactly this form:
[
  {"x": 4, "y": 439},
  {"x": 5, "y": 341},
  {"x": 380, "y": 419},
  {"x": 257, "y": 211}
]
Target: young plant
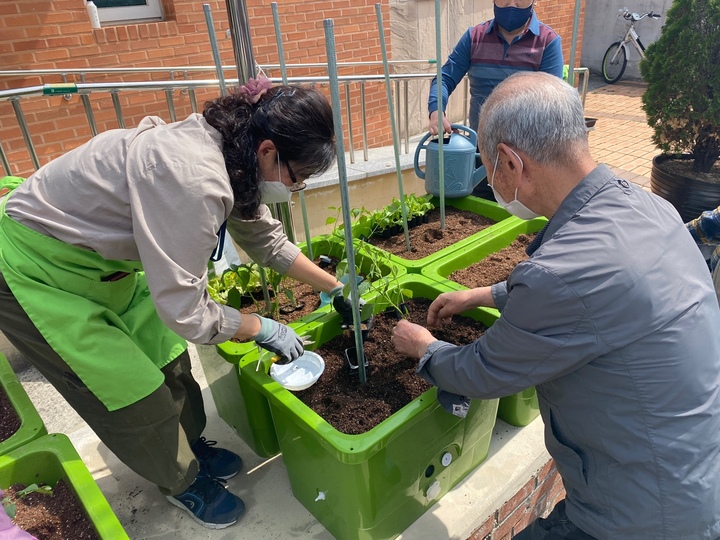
[
  {"x": 393, "y": 296},
  {"x": 234, "y": 283},
  {"x": 9, "y": 501}
]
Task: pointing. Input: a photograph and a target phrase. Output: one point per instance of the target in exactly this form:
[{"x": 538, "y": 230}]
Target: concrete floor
[{"x": 621, "y": 139}]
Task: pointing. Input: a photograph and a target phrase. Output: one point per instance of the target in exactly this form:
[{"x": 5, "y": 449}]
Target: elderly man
[{"x": 613, "y": 319}]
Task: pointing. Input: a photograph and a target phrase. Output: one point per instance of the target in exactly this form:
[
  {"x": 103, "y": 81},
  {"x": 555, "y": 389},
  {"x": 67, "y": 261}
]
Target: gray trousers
[{"x": 152, "y": 436}]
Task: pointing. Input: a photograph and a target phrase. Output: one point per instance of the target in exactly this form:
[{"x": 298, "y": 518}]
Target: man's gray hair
[{"x": 536, "y": 113}]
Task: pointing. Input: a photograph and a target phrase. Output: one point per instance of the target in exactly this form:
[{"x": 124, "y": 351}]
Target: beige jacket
[{"x": 157, "y": 194}]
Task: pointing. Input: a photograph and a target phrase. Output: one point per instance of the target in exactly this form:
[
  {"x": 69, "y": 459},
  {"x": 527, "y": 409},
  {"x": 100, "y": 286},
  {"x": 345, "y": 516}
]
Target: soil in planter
[
  {"x": 354, "y": 408},
  {"x": 428, "y": 238},
  {"x": 52, "y": 517},
  {"x": 684, "y": 167},
  {"x": 496, "y": 267},
  {"x": 9, "y": 420}
]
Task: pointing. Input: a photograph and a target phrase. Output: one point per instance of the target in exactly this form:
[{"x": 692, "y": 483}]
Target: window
[{"x": 112, "y": 11}]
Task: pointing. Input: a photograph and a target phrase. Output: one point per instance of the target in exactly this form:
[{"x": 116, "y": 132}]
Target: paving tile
[{"x": 621, "y": 138}]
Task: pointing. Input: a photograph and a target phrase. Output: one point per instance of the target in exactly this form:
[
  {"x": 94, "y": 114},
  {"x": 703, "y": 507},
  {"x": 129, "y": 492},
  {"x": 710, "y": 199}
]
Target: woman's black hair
[{"x": 297, "y": 119}]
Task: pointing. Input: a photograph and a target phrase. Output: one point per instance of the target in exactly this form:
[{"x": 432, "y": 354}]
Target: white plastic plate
[{"x": 299, "y": 374}]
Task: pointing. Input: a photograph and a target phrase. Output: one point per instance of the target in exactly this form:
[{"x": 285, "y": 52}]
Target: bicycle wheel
[{"x": 613, "y": 70}]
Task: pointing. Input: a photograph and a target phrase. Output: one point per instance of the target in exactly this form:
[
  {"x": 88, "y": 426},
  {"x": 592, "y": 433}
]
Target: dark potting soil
[
  {"x": 429, "y": 238},
  {"x": 9, "y": 420},
  {"x": 495, "y": 267},
  {"x": 52, "y": 517},
  {"x": 354, "y": 408},
  {"x": 684, "y": 167}
]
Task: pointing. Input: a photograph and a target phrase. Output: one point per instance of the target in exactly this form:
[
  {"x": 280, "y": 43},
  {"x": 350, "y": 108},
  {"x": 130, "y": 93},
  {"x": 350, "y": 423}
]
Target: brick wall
[
  {"x": 535, "y": 499},
  {"x": 56, "y": 34},
  {"x": 559, "y": 15}
]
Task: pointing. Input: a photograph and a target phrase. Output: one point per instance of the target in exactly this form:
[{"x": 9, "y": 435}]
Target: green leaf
[
  {"x": 234, "y": 298},
  {"x": 10, "y": 510},
  {"x": 367, "y": 311}
]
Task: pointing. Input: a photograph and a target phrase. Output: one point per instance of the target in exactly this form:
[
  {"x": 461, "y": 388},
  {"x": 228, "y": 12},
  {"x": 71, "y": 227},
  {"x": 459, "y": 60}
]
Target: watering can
[{"x": 459, "y": 154}]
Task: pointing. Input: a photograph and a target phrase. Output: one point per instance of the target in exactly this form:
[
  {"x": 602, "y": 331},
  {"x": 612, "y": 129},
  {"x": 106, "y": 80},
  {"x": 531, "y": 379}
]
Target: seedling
[
  {"x": 9, "y": 501},
  {"x": 234, "y": 284}
]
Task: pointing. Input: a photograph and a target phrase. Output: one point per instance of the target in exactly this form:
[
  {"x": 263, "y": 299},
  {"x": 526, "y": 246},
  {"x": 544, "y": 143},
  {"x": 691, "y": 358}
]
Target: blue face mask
[{"x": 512, "y": 18}]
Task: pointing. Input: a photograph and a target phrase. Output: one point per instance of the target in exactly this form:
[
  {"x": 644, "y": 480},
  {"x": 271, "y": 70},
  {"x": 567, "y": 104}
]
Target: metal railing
[
  {"x": 88, "y": 90},
  {"x": 350, "y": 83}
]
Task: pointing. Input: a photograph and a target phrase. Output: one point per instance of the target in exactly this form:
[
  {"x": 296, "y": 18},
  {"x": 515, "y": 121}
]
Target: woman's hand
[{"x": 279, "y": 339}]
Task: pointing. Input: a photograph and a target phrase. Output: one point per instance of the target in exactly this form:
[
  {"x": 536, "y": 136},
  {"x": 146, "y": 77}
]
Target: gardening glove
[
  {"x": 343, "y": 306},
  {"x": 279, "y": 339}
]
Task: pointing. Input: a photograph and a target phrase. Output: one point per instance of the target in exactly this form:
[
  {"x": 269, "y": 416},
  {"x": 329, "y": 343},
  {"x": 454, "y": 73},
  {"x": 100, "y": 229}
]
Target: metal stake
[{"x": 344, "y": 192}]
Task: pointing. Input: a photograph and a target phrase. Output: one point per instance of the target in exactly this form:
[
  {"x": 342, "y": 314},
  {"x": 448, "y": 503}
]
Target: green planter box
[
  {"x": 374, "y": 485},
  {"x": 522, "y": 408},
  {"x": 472, "y": 204},
  {"x": 519, "y": 409},
  {"x": 31, "y": 425},
  {"x": 495, "y": 240},
  {"x": 51, "y": 458},
  {"x": 241, "y": 405}
]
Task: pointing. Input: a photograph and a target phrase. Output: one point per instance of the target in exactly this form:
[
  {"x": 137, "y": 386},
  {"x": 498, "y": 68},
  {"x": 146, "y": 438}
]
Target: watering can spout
[{"x": 460, "y": 176}]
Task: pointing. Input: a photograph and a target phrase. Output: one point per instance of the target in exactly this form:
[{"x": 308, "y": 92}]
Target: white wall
[
  {"x": 602, "y": 28},
  {"x": 413, "y": 37}
]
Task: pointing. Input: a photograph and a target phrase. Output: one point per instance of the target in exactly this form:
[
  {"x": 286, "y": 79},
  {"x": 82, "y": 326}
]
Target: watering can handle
[
  {"x": 472, "y": 134},
  {"x": 421, "y": 146}
]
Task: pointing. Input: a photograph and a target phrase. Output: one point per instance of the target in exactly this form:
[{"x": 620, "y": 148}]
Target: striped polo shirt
[{"x": 488, "y": 59}]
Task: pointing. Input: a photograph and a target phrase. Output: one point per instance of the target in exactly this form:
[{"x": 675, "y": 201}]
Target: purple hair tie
[{"x": 255, "y": 88}]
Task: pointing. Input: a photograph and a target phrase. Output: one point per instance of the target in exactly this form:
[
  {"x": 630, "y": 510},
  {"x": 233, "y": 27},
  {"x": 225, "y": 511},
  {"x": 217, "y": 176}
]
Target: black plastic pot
[
  {"x": 324, "y": 261},
  {"x": 688, "y": 195},
  {"x": 351, "y": 358},
  {"x": 290, "y": 309}
]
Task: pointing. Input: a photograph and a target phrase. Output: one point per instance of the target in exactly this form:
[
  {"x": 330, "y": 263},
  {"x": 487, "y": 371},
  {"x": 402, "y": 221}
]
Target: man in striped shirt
[{"x": 515, "y": 40}]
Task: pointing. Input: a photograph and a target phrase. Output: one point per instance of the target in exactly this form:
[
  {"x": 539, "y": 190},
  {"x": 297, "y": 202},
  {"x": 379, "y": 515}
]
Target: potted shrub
[
  {"x": 682, "y": 103},
  {"x": 31, "y": 425}
]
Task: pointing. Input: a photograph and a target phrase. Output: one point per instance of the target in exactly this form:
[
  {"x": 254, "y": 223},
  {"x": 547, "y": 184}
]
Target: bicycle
[{"x": 615, "y": 59}]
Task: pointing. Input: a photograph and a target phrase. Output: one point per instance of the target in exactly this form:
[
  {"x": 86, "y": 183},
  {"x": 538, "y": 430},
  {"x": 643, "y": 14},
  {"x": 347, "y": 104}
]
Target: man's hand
[
  {"x": 433, "y": 124},
  {"x": 279, "y": 339},
  {"x": 446, "y": 305},
  {"x": 411, "y": 339}
]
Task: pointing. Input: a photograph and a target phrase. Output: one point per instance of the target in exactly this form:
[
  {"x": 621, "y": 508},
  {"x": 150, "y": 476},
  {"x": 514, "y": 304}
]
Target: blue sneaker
[
  {"x": 209, "y": 503},
  {"x": 216, "y": 462}
]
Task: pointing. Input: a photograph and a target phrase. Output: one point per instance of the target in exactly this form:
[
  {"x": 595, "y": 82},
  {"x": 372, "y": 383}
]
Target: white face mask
[
  {"x": 274, "y": 192},
  {"x": 515, "y": 207}
]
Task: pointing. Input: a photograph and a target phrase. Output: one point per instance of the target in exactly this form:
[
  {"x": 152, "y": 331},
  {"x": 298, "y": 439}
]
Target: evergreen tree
[{"x": 682, "y": 69}]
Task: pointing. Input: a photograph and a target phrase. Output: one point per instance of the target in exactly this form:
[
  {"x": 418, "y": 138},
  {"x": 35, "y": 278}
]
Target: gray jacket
[{"x": 615, "y": 321}]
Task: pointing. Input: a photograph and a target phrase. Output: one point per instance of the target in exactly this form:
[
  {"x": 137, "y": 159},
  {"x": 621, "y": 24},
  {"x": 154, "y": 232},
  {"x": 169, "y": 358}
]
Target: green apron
[{"x": 108, "y": 332}]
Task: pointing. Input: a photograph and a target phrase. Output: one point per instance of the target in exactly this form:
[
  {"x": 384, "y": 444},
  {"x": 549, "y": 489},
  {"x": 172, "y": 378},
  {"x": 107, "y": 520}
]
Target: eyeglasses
[{"x": 297, "y": 186}]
